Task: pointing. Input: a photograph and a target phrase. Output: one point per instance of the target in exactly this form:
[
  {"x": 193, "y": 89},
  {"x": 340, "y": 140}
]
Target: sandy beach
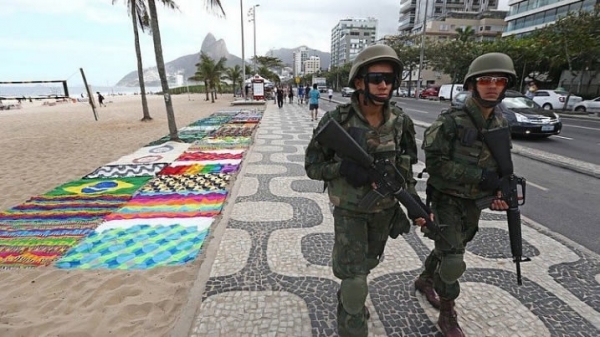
[{"x": 45, "y": 146}]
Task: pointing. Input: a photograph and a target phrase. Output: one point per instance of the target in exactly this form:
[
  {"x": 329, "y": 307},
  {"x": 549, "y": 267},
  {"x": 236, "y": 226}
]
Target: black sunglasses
[{"x": 377, "y": 78}]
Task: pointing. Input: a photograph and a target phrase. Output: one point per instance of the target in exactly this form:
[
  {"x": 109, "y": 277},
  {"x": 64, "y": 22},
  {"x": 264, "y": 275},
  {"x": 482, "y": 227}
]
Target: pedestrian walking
[
  {"x": 291, "y": 95},
  {"x": 461, "y": 170},
  {"x": 361, "y": 234},
  {"x": 330, "y": 93},
  {"x": 307, "y": 94},
  {"x": 300, "y": 95},
  {"x": 100, "y": 99},
  {"x": 280, "y": 97},
  {"x": 314, "y": 102}
]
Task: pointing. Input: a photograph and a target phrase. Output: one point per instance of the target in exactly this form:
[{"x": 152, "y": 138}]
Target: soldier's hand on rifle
[
  {"x": 420, "y": 221},
  {"x": 499, "y": 204},
  {"x": 355, "y": 174}
]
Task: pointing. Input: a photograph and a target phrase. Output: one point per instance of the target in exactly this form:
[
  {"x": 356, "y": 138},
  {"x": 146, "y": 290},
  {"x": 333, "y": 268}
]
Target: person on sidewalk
[
  {"x": 330, "y": 93},
  {"x": 314, "y": 102},
  {"x": 300, "y": 94},
  {"x": 385, "y": 132},
  {"x": 461, "y": 170},
  {"x": 291, "y": 94},
  {"x": 280, "y": 93},
  {"x": 307, "y": 93}
]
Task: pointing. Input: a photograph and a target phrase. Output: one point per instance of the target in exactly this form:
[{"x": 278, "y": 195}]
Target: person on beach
[
  {"x": 100, "y": 99},
  {"x": 385, "y": 132}
]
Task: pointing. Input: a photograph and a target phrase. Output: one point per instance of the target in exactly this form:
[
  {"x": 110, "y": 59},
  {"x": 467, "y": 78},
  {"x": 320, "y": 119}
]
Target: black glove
[
  {"x": 420, "y": 202},
  {"x": 490, "y": 180},
  {"x": 355, "y": 174}
]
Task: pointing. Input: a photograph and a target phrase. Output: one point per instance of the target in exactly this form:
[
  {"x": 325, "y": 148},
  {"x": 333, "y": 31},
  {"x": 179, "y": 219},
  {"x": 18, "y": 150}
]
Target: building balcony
[{"x": 408, "y": 6}]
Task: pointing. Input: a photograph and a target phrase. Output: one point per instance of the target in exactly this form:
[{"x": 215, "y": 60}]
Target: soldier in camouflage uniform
[
  {"x": 461, "y": 170},
  {"x": 384, "y": 131}
]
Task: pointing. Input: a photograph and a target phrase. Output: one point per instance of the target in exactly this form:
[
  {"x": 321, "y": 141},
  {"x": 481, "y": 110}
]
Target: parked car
[
  {"x": 447, "y": 90},
  {"x": 590, "y": 105},
  {"x": 431, "y": 92},
  {"x": 401, "y": 92},
  {"x": 525, "y": 117},
  {"x": 555, "y": 99},
  {"x": 347, "y": 91}
]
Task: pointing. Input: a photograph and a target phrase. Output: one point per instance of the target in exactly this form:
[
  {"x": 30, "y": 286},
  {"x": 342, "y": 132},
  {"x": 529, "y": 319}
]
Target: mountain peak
[{"x": 209, "y": 39}]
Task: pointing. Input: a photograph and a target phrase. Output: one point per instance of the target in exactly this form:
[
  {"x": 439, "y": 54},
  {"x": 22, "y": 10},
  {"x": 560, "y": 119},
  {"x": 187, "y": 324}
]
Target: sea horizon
[{"x": 56, "y": 89}]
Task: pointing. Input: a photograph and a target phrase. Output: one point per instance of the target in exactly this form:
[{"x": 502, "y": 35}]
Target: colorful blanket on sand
[
  {"x": 63, "y": 209},
  {"x": 140, "y": 246},
  {"x": 212, "y": 120},
  {"x": 26, "y": 245},
  {"x": 120, "y": 171},
  {"x": 176, "y": 205},
  {"x": 164, "y": 153},
  {"x": 209, "y": 157},
  {"x": 228, "y": 131},
  {"x": 220, "y": 143},
  {"x": 244, "y": 119},
  {"x": 182, "y": 183},
  {"x": 100, "y": 186},
  {"x": 226, "y": 112},
  {"x": 186, "y": 168},
  {"x": 200, "y": 128}
]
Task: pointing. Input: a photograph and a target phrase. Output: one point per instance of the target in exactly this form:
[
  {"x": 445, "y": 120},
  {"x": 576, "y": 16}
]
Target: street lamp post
[
  {"x": 243, "y": 55},
  {"x": 252, "y": 14},
  {"x": 421, "y": 56}
]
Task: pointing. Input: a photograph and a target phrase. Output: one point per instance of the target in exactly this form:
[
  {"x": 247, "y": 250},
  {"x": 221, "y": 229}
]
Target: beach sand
[{"x": 45, "y": 146}]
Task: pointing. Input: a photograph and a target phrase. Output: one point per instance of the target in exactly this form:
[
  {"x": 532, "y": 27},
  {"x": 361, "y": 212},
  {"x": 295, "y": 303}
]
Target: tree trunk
[
  {"x": 140, "y": 68},
  {"x": 160, "y": 65},
  {"x": 206, "y": 88},
  {"x": 212, "y": 95}
]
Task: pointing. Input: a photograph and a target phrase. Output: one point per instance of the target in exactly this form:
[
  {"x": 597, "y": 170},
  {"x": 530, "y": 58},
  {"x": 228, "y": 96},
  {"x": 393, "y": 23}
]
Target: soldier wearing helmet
[
  {"x": 385, "y": 132},
  {"x": 461, "y": 170}
]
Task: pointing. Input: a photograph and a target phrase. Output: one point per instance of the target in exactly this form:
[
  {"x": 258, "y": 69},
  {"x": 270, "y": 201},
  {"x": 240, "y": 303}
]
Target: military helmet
[
  {"x": 492, "y": 63},
  {"x": 373, "y": 54}
]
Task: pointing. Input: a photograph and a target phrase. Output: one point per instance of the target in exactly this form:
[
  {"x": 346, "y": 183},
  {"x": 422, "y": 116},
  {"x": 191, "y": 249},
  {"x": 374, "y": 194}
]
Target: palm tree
[
  {"x": 139, "y": 17},
  {"x": 234, "y": 75},
  {"x": 210, "y": 72},
  {"x": 466, "y": 34},
  {"x": 160, "y": 62}
]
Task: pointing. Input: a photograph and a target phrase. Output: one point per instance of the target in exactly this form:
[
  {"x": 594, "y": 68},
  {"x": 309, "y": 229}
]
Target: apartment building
[
  {"x": 299, "y": 57},
  {"x": 486, "y": 25},
  {"x": 525, "y": 16},
  {"x": 312, "y": 65},
  {"x": 412, "y": 12},
  {"x": 349, "y": 37}
]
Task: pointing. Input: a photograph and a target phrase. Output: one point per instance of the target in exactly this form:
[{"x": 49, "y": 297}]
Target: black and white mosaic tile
[{"x": 272, "y": 275}]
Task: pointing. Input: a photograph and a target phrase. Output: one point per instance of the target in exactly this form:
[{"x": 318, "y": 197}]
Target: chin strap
[
  {"x": 485, "y": 103},
  {"x": 372, "y": 98}
]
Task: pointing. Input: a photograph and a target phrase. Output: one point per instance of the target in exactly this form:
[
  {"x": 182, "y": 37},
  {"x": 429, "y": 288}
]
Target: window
[
  {"x": 366, "y": 33},
  {"x": 444, "y": 28},
  {"x": 542, "y": 93},
  {"x": 539, "y": 18},
  {"x": 488, "y": 27}
]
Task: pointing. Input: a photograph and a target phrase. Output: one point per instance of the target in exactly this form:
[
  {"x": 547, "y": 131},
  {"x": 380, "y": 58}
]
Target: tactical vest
[
  {"x": 468, "y": 149},
  {"x": 381, "y": 143}
]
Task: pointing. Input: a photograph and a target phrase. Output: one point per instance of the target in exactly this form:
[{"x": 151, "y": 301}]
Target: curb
[{"x": 567, "y": 163}]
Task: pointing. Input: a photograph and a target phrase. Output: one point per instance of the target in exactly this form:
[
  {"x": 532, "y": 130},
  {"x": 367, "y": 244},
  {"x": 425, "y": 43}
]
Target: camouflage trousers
[
  {"x": 445, "y": 264},
  {"x": 359, "y": 244}
]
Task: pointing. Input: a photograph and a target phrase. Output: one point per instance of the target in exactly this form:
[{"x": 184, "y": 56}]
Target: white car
[
  {"x": 591, "y": 105},
  {"x": 555, "y": 99}
]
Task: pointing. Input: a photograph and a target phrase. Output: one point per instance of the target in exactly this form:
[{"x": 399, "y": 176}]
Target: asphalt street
[{"x": 561, "y": 200}]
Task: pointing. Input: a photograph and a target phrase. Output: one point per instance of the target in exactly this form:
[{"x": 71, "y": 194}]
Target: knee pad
[
  {"x": 353, "y": 293},
  {"x": 452, "y": 267}
]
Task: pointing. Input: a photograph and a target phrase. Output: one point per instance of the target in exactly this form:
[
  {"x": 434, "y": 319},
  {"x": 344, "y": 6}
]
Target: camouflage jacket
[
  {"x": 394, "y": 139},
  {"x": 455, "y": 155}
]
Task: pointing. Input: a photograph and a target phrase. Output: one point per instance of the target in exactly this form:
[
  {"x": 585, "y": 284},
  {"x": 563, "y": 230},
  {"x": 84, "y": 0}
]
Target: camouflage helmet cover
[
  {"x": 492, "y": 63},
  {"x": 374, "y": 54}
]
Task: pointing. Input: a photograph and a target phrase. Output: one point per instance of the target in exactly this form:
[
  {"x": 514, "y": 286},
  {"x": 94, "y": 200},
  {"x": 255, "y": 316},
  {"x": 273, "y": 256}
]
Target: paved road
[
  {"x": 580, "y": 139},
  {"x": 564, "y": 201},
  {"x": 267, "y": 270}
]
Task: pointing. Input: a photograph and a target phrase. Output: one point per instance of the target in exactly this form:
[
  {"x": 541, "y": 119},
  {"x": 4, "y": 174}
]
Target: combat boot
[
  {"x": 425, "y": 286},
  {"x": 448, "y": 321}
]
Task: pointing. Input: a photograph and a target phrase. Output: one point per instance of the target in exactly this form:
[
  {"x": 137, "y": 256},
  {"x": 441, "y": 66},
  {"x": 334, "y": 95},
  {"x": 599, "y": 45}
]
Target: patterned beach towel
[
  {"x": 139, "y": 244},
  {"x": 176, "y": 205},
  {"x": 164, "y": 153},
  {"x": 182, "y": 183},
  {"x": 120, "y": 171}
]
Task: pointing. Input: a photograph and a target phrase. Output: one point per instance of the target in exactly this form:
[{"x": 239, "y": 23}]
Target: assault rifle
[
  {"x": 333, "y": 136},
  {"x": 498, "y": 142}
]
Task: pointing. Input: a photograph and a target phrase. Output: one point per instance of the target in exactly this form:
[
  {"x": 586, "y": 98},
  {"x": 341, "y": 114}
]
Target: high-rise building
[
  {"x": 349, "y": 37},
  {"x": 300, "y": 56},
  {"x": 412, "y": 12},
  {"x": 526, "y": 16},
  {"x": 312, "y": 65}
]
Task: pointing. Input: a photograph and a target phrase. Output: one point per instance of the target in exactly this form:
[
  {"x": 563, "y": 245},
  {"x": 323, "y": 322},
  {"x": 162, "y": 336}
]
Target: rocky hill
[{"x": 186, "y": 65}]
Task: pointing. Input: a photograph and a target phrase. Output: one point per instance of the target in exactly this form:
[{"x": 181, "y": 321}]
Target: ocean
[{"x": 52, "y": 89}]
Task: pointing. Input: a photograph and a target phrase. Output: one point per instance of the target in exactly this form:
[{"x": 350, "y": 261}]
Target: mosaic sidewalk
[{"x": 272, "y": 273}]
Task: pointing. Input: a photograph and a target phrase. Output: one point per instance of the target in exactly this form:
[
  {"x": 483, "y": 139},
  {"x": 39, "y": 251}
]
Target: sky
[{"x": 52, "y": 39}]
